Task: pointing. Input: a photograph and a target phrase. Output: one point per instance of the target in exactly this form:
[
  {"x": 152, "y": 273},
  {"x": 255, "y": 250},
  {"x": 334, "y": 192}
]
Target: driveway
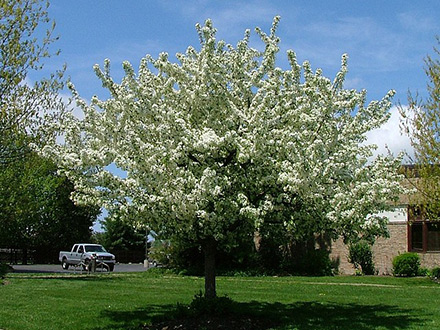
[{"x": 57, "y": 268}]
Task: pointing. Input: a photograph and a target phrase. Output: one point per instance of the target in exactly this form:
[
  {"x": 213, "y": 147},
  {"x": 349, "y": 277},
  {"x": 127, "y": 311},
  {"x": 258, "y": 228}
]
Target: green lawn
[{"x": 118, "y": 301}]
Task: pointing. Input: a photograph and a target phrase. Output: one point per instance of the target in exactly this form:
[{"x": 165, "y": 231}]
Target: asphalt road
[{"x": 58, "y": 269}]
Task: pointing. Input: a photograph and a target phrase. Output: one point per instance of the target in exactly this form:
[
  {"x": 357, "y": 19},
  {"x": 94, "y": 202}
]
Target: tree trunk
[{"x": 210, "y": 248}]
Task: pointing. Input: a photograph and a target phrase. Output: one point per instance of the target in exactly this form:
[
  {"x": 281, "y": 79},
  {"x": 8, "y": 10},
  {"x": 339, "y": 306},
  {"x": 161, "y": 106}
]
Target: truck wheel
[
  {"x": 65, "y": 264},
  {"x": 111, "y": 267}
]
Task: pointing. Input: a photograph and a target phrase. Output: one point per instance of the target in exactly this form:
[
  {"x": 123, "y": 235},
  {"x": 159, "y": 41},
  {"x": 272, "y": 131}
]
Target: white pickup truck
[{"x": 84, "y": 253}]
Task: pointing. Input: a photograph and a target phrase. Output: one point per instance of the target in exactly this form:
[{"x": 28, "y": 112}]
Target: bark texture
[{"x": 210, "y": 252}]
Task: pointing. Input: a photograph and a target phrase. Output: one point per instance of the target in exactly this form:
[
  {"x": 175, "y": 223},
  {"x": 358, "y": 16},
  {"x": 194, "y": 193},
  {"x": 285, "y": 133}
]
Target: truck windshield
[{"x": 94, "y": 248}]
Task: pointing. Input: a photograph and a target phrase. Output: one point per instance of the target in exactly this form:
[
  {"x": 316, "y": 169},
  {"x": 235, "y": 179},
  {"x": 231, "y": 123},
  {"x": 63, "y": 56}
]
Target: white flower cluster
[{"x": 225, "y": 136}]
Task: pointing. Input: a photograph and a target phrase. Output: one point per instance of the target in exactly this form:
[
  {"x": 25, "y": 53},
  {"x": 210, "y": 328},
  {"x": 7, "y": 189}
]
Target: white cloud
[{"x": 389, "y": 138}]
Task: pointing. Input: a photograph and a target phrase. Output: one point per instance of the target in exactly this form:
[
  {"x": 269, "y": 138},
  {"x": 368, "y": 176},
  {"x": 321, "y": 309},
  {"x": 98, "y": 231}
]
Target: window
[
  {"x": 433, "y": 236},
  {"x": 424, "y": 236},
  {"x": 94, "y": 248},
  {"x": 416, "y": 237}
]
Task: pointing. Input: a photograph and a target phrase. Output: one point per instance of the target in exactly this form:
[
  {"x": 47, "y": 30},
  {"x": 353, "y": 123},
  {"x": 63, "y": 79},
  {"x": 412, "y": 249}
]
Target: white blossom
[{"x": 224, "y": 135}]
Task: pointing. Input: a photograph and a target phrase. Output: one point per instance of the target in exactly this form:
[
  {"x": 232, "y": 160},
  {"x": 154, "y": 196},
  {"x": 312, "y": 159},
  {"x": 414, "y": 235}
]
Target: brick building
[
  {"x": 409, "y": 231},
  {"x": 384, "y": 249}
]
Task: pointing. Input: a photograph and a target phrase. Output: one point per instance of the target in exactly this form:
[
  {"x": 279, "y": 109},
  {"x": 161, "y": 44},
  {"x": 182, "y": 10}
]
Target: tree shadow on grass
[{"x": 261, "y": 315}]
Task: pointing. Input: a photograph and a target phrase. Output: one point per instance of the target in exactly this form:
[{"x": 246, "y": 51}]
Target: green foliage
[
  {"x": 276, "y": 255},
  {"x": 202, "y": 306},
  {"x": 26, "y": 34},
  {"x": 36, "y": 211},
  {"x": 406, "y": 264},
  {"x": 435, "y": 273},
  {"x": 360, "y": 255},
  {"x": 423, "y": 271},
  {"x": 4, "y": 269},
  {"x": 236, "y": 253},
  {"x": 120, "y": 235},
  {"x": 273, "y": 247},
  {"x": 281, "y": 253},
  {"x": 421, "y": 122},
  {"x": 316, "y": 262},
  {"x": 29, "y": 203},
  {"x": 161, "y": 252}
]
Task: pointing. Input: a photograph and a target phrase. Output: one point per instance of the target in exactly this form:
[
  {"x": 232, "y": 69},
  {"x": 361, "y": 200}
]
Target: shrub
[
  {"x": 361, "y": 256},
  {"x": 435, "y": 273},
  {"x": 316, "y": 263},
  {"x": 406, "y": 264},
  {"x": 202, "y": 306},
  {"x": 4, "y": 269},
  {"x": 423, "y": 272}
]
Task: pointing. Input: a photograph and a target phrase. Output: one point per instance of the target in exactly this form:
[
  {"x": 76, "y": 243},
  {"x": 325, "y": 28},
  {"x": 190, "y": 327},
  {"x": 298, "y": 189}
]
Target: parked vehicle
[{"x": 84, "y": 253}]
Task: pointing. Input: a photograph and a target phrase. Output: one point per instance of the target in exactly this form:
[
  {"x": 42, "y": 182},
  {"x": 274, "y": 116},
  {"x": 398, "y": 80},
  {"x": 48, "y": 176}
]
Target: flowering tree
[{"x": 224, "y": 137}]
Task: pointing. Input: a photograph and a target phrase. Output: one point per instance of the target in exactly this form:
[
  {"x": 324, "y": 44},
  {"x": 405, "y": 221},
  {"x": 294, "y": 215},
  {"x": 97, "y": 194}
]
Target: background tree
[
  {"x": 421, "y": 122},
  {"x": 281, "y": 252},
  {"x": 36, "y": 211},
  {"x": 223, "y": 139},
  {"x": 124, "y": 239},
  {"x": 25, "y": 106},
  {"x": 235, "y": 253},
  {"x": 121, "y": 235}
]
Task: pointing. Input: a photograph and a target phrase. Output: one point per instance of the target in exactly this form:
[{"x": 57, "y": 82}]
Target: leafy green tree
[
  {"x": 237, "y": 252},
  {"x": 279, "y": 251},
  {"x": 36, "y": 211},
  {"x": 26, "y": 108},
  {"x": 122, "y": 235},
  {"x": 421, "y": 122},
  {"x": 224, "y": 139}
]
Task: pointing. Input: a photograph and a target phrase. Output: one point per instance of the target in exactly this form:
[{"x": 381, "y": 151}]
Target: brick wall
[
  {"x": 339, "y": 254},
  {"x": 384, "y": 250},
  {"x": 430, "y": 259}
]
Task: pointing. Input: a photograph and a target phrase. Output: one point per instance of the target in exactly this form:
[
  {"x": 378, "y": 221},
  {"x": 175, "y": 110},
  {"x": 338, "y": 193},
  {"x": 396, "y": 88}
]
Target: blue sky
[{"x": 386, "y": 40}]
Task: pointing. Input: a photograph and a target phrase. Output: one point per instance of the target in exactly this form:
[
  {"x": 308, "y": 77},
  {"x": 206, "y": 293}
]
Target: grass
[{"x": 121, "y": 301}]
